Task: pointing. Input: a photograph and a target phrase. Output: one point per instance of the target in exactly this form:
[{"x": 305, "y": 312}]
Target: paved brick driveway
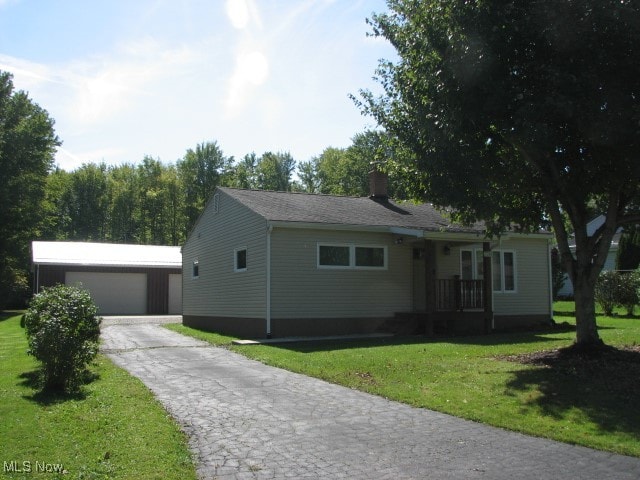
[{"x": 247, "y": 420}]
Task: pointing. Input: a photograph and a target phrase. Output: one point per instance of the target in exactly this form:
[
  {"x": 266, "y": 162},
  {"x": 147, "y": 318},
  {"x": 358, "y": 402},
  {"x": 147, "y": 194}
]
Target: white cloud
[
  {"x": 243, "y": 14},
  {"x": 238, "y": 13},
  {"x": 67, "y": 160},
  {"x": 251, "y": 62},
  {"x": 253, "y": 80},
  {"x": 251, "y": 70},
  {"x": 26, "y": 74},
  {"x": 107, "y": 86}
]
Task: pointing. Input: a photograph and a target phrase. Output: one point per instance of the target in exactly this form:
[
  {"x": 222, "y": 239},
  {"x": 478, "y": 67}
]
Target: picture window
[{"x": 365, "y": 257}]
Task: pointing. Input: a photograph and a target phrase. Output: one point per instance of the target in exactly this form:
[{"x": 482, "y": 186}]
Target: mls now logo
[{"x": 28, "y": 467}]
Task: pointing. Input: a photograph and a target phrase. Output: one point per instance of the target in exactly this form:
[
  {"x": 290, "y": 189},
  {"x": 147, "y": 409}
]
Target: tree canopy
[
  {"x": 27, "y": 147},
  {"x": 521, "y": 114}
]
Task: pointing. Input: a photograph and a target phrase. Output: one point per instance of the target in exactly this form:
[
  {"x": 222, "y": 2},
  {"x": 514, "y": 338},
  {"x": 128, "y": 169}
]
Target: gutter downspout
[
  {"x": 268, "y": 273},
  {"x": 549, "y": 248}
]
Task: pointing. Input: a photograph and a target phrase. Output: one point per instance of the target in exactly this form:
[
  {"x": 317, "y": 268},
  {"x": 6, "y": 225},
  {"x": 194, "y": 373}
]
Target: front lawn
[
  {"x": 593, "y": 403},
  {"x": 113, "y": 429}
]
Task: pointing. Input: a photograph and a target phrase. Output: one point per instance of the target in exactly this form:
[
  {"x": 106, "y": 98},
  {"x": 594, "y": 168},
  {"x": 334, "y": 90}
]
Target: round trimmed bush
[
  {"x": 63, "y": 331},
  {"x": 607, "y": 291}
]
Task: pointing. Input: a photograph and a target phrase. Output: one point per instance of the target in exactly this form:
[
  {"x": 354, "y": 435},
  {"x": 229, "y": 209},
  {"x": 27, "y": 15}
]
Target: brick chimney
[{"x": 378, "y": 184}]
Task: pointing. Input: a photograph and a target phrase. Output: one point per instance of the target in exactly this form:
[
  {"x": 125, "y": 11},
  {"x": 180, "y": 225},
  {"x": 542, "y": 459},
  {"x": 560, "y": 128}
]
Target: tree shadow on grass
[
  {"x": 520, "y": 337},
  {"x": 6, "y": 314},
  {"x": 572, "y": 313},
  {"x": 45, "y": 397},
  {"x": 604, "y": 387}
]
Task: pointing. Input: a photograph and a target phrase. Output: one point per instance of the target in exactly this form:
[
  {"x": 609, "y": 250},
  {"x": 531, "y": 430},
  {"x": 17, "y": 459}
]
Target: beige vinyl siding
[
  {"x": 532, "y": 273},
  {"x": 219, "y": 290},
  {"x": 449, "y": 265},
  {"x": 532, "y": 270},
  {"x": 302, "y": 290}
]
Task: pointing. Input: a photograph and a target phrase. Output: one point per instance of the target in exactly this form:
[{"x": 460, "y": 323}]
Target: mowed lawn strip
[
  {"x": 114, "y": 429},
  {"x": 478, "y": 378}
]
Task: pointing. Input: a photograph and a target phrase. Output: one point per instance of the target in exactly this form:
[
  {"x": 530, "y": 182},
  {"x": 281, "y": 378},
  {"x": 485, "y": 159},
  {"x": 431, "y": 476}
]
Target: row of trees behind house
[{"x": 158, "y": 203}]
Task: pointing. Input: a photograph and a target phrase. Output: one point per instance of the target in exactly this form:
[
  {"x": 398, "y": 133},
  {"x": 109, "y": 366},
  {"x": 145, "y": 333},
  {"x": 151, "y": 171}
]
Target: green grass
[
  {"x": 591, "y": 404},
  {"x": 113, "y": 429}
]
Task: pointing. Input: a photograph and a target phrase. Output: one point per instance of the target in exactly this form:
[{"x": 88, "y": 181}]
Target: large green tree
[
  {"x": 88, "y": 203},
  {"x": 123, "y": 187},
  {"x": 274, "y": 171},
  {"x": 200, "y": 171},
  {"x": 520, "y": 113},
  {"x": 27, "y": 147}
]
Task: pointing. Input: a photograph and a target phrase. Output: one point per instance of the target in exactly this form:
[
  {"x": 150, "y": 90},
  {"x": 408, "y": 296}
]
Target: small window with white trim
[
  {"x": 240, "y": 260},
  {"x": 195, "y": 269}
]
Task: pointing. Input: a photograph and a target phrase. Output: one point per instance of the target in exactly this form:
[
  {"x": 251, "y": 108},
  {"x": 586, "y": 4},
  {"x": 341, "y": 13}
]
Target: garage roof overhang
[{"x": 105, "y": 255}]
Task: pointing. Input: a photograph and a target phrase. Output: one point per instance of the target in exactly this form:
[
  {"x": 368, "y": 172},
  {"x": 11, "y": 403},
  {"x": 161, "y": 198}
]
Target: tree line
[{"x": 158, "y": 203}]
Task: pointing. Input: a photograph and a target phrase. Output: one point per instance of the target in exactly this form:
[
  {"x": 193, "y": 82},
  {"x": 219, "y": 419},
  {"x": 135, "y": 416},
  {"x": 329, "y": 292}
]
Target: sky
[{"x": 128, "y": 78}]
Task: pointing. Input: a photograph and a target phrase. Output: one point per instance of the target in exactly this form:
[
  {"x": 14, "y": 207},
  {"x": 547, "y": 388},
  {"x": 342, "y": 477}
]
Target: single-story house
[
  {"x": 122, "y": 279},
  {"x": 610, "y": 262},
  {"x": 264, "y": 263}
]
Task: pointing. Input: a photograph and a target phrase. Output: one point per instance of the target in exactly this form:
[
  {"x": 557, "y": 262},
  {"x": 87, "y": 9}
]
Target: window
[
  {"x": 240, "y": 260},
  {"x": 352, "y": 256},
  {"x": 503, "y": 268},
  {"x": 503, "y": 271},
  {"x": 333, "y": 256},
  {"x": 370, "y": 257},
  {"x": 195, "y": 269}
]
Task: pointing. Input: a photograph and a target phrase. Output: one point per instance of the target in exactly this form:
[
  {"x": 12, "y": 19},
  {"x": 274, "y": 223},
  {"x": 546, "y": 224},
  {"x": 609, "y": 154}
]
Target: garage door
[
  {"x": 114, "y": 293},
  {"x": 175, "y": 294}
]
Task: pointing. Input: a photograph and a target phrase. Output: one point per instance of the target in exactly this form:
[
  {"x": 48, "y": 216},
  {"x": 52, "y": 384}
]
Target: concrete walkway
[{"x": 247, "y": 420}]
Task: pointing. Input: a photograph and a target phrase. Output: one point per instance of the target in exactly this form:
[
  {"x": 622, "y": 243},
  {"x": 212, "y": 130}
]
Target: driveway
[{"x": 247, "y": 420}]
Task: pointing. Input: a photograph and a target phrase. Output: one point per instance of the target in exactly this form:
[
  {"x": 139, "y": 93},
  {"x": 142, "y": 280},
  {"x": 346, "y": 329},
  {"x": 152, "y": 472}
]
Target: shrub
[
  {"x": 607, "y": 291},
  {"x": 628, "y": 290},
  {"x": 63, "y": 332}
]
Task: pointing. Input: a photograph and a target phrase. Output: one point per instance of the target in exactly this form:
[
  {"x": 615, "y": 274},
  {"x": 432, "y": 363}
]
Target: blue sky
[{"x": 129, "y": 78}]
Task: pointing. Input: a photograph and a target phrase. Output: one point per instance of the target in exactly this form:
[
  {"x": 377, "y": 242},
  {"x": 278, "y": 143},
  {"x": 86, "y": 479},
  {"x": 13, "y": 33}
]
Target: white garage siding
[
  {"x": 114, "y": 293},
  {"x": 175, "y": 294}
]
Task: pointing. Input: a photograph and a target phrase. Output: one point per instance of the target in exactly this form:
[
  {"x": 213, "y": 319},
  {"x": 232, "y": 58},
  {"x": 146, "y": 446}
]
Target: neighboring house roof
[
  {"x": 106, "y": 254},
  {"x": 592, "y": 226},
  {"x": 304, "y": 208}
]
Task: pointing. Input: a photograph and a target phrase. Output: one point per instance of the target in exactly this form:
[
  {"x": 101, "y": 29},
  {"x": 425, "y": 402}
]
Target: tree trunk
[{"x": 586, "y": 328}]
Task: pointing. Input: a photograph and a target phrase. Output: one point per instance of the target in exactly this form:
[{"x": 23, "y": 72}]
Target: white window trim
[
  {"x": 235, "y": 259},
  {"x": 476, "y": 255},
  {"x": 515, "y": 272},
  {"x": 352, "y": 256},
  {"x": 193, "y": 265}
]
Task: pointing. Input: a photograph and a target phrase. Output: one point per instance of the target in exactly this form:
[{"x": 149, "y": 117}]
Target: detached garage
[{"x": 122, "y": 279}]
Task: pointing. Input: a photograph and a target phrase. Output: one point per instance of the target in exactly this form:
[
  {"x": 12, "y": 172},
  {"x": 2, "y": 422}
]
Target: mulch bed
[
  {"x": 615, "y": 371},
  {"x": 568, "y": 356}
]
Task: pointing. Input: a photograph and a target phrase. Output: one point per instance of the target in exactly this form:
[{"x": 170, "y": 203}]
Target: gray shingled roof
[{"x": 343, "y": 210}]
